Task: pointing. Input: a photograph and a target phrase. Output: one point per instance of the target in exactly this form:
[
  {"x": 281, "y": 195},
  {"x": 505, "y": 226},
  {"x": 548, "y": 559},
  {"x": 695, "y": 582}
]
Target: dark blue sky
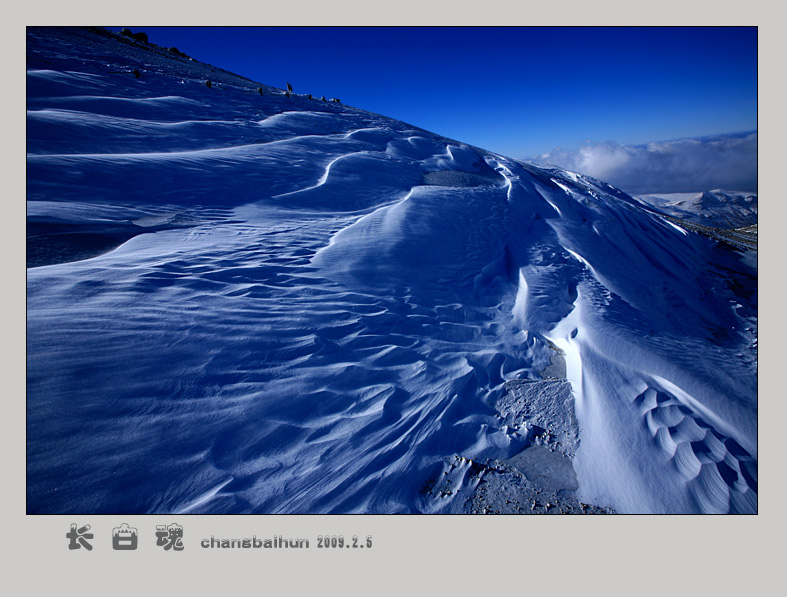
[{"x": 518, "y": 91}]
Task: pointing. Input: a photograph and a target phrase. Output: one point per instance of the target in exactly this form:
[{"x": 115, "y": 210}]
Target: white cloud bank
[{"x": 680, "y": 166}]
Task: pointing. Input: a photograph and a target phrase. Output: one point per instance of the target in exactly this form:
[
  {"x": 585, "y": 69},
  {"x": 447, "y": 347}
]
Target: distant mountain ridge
[{"x": 717, "y": 208}]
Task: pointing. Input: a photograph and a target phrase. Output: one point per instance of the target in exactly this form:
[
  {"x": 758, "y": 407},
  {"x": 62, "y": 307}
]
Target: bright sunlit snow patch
[{"x": 678, "y": 228}]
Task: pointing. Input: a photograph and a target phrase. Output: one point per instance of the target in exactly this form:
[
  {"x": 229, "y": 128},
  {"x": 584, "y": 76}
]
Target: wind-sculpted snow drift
[{"x": 316, "y": 309}]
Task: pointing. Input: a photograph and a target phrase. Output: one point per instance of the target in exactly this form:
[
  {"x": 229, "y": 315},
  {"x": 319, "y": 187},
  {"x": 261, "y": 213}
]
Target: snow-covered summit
[
  {"x": 718, "y": 208},
  {"x": 241, "y": 301}
]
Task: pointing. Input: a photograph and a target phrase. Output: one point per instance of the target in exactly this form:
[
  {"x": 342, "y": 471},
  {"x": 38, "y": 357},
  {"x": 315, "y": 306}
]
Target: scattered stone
[
  {"x": 174, "y": 50},
  {"x": 546, "y": 468},
  {"x": 545, "y": 408},
  {"x": 504, "y": 490},
  {"x": 541, "y": 475}
]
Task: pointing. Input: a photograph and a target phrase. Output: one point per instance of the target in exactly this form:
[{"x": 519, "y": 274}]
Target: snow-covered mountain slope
[
  {"x": 717, "y": 208},
  {"x": 245, "y": 302}
]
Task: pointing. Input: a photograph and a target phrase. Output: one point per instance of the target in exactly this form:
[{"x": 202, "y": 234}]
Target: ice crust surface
[{"x": 297, "y": 306}]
